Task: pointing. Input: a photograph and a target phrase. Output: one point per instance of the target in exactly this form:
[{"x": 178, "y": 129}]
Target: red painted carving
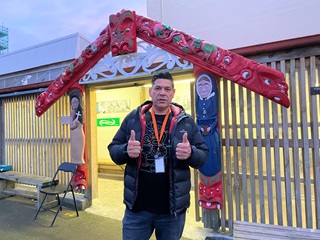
[
  {"x": 123, "y": 32},
  {"x": 88, "y": 58},
  {"x": 261, "y": 79},
  {"x": 77, "y": 136},
  {"x": 210, "y": 192},
  {"x": 79, "y": 182}
]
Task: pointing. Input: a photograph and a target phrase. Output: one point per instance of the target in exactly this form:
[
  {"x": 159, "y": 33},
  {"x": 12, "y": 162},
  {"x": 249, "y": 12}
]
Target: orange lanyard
[{"x": 155, "y": 127}]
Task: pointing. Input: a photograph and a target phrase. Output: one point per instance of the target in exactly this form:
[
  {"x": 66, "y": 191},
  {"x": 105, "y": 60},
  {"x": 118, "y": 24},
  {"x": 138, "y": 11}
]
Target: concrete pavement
[
  {"x": 16, "y": 222},
  {"x": 102, "y": 220}
]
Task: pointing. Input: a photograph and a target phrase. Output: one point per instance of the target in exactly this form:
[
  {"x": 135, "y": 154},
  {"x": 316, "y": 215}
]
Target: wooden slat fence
[
  {"x": 35, "y": 145},
  {"x": 271, "y": 159}
]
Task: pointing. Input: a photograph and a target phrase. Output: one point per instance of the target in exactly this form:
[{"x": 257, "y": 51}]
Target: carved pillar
[
  {"x": 77, "y": 135},
  {"x": 207, "y": 119}
]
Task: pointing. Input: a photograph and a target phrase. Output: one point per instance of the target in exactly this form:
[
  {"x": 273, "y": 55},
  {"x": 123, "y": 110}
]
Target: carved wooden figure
[
  {"x": 77, "y": 138},
  {"x": 207, "y": 119}
]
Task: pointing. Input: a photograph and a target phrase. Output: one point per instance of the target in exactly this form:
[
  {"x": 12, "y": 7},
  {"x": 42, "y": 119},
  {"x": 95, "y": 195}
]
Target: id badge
[{"x": 159, "y": 164}]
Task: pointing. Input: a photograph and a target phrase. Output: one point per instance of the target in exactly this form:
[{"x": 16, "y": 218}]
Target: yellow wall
[
  {"x": 117, "y": 103},
  {"x": 113, "y": 103}
]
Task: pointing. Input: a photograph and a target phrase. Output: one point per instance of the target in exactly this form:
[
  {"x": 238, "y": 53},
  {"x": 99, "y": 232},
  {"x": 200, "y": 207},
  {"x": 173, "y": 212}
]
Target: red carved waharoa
[{"x": 120, "y": 35}]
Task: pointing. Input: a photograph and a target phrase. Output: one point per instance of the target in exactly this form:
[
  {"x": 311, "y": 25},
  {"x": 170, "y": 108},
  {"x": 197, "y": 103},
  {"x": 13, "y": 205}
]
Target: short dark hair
[{"x": 164, "y": 75}]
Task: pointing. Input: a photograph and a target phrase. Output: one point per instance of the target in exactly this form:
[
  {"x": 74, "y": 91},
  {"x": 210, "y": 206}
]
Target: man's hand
[
  {"x": 183, "y": 150},
  {"x": 133, "y": 147}
]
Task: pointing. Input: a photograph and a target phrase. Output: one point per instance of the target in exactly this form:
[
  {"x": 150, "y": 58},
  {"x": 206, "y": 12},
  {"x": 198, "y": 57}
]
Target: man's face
[
  {"x": 161, "y": 94},
  {"x": 204, "y": 88}
]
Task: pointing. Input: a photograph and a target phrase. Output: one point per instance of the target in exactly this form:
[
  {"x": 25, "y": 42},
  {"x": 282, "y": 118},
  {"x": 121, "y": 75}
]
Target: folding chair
[{"x": 55, "y": 188}]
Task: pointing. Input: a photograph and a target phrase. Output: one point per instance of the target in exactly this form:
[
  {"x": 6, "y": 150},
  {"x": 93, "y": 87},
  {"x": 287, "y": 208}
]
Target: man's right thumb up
[{"x": 133, "y": 135}]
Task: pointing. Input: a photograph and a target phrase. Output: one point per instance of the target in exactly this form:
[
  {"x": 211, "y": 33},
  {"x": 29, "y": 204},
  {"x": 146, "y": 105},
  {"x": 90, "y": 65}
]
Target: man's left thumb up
[{"x": 185, "y": 138}]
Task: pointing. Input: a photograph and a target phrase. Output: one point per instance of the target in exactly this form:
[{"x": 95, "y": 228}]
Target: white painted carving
[{"x": 147, "y": 60}]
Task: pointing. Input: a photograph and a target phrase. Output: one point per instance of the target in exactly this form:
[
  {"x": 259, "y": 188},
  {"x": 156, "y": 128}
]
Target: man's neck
[{"x": 160, "y": 111}]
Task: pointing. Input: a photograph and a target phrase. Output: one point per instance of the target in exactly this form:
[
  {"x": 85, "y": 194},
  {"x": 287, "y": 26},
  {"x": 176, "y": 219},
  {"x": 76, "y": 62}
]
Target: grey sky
[{"x": 36, "y": 21}]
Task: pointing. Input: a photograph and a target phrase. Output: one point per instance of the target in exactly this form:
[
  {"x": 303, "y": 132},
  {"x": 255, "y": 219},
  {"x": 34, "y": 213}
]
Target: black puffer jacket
[{"x": 180, "y": 183}]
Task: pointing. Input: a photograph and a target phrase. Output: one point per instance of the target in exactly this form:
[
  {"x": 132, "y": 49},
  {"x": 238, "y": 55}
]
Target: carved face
[
  {"x": 204, "y": 86},
  {"x": 123, "y": 33},
  {"x": 257, "y": 77},
  {"x": 269, "y": 83},
  {"x": 233, "y": 63},
  {"x": 274, "y": 87},
  {"x": 210, "y": 192},
  {"x": 75, "y": 103}
]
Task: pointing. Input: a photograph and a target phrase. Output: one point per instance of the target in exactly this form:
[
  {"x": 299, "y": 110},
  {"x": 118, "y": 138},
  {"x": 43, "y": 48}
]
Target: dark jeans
[{"x": 140, "y": 225}]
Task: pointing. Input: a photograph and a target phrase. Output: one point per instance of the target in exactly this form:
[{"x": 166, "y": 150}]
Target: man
[{"x": 158, "y": 142}]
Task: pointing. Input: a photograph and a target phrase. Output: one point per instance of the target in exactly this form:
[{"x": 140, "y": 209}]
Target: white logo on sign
[{"x": 105, "y": 122}]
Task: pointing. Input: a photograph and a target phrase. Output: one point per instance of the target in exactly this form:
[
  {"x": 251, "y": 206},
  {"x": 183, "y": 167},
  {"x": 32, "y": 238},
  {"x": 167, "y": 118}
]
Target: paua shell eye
[
  {"x": 227, "y": 60},
  {"x": 246, "y": 75},
  {"x": 267, "y": 81}
]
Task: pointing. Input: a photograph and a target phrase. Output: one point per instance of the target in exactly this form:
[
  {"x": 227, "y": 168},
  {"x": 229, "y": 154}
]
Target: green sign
[{"x": 108, "y": 122}]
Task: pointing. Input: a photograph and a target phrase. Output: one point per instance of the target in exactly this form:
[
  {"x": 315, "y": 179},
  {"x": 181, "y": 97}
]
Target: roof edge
[{"x": 278, "y": 45}]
